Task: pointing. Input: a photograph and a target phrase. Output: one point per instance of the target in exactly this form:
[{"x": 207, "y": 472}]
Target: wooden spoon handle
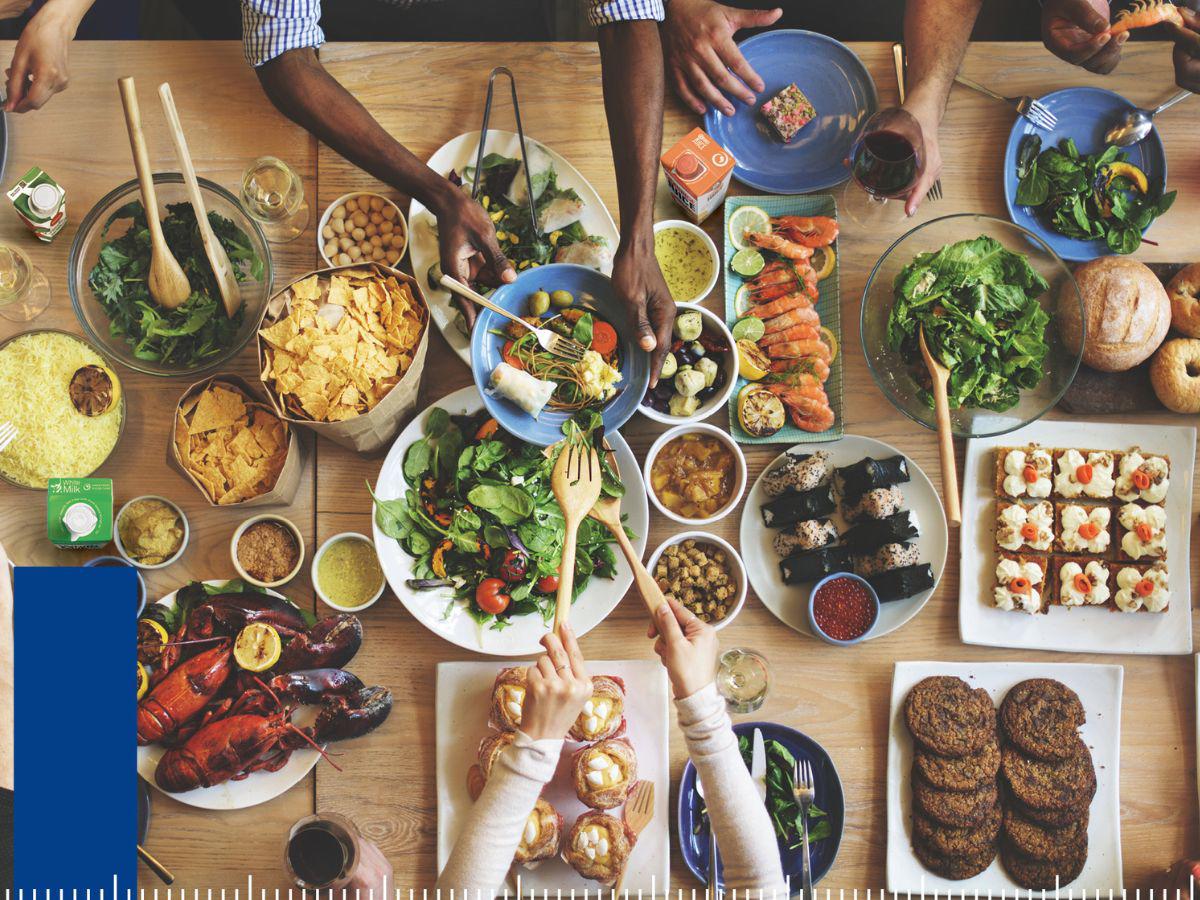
[
  {"x": 651, "y": 593},
  {"x": 946, "y": 450},
  {"x": 566, "y": 575},
  {"x": 141, "y": 158},
  {"x": 185, "y": 161}
]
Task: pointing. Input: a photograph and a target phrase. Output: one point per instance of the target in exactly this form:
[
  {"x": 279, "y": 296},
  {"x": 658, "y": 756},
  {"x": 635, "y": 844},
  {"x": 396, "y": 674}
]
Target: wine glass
[
  {"x": 885, "y": 163},
  {"x": 24, "y": 290},
  {"x": 743, "y": 678},
  {"x": 273, "y": 195}
]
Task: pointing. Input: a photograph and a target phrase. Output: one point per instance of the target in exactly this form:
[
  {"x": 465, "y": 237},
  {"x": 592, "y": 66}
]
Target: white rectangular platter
[
  {"x": 1099, "y": 689},
  {"x": 1082, "y": 630},
  {"x": 463, "y": 698}
]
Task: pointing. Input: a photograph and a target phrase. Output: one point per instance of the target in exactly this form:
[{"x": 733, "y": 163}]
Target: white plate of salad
[
  {"x": 566, "y": 202},
  {"x": 469, "y": 534}
]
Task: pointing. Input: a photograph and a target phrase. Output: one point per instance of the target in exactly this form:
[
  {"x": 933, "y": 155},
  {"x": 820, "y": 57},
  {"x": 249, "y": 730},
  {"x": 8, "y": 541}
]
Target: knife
[{"x": 758, "y": 764}]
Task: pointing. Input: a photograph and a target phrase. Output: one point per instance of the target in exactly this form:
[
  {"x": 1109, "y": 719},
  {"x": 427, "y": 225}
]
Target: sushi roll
[
  {"x": 899, "y": 584},
  {"x": 798, "y": 472},
  {"x": 795, "y": 507},
  {"x": 877, "y": 503},
  {"x": 887, "y": 558},
  {"x": 870, "y": 473},
  {"x": 813, "y": 565},
  {"x": 871, "y": 534},
  {"x": 810, "y": 534}
]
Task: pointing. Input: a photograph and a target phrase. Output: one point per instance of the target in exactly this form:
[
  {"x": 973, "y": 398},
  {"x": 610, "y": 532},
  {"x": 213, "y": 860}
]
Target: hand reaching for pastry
[
  {"x": 686, "y": 645},
  {"x": 557, "y": 686}
]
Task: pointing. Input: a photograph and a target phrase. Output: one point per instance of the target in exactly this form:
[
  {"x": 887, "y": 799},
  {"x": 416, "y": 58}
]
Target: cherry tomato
[
  {"x": 489, "y": 596},
  {"x": 512, "y": 567},
  {"x": 548, "y": 584}
]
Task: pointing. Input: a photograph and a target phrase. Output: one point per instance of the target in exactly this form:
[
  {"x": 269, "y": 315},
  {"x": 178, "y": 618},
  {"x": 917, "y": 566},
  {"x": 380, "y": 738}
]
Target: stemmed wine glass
[
  {"x": 273, "y": 195},
  {"x": 884, "y": 165},
  {"x": 24, "y": 290}
]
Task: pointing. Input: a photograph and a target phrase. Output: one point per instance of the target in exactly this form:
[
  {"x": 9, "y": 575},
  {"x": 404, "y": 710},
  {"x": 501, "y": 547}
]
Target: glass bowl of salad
[
  {"x": 106, "y": 278},
  {"x": 988, "y": 294}
]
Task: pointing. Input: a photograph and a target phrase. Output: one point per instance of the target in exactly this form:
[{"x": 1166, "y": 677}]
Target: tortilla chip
[{"x": 217, "y": 407}]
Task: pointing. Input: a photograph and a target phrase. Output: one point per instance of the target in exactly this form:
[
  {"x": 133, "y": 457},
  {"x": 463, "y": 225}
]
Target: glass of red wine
[{"x": 884, "y": 165}]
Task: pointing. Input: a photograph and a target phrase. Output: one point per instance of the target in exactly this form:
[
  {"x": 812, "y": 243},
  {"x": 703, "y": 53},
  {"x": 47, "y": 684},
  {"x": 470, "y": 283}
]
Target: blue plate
[
  {"x": 1084, "y": 113},
  {"x": 839, "y": 88},
  {"x": 546, "y": 429},
  {"x": 693, "y": 827}
]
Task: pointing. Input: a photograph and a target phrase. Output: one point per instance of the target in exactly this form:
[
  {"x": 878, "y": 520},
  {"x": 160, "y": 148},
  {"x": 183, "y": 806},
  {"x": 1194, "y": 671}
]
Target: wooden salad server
[
  {"x": 941, "y": 375},
  {"x": 231, "y": 292},
  {"x": 166, "y": 280},
  {"x": 575, "y": 482},
  {"x": 639, "y": 812},
  {"x": 607, "y": 512}
]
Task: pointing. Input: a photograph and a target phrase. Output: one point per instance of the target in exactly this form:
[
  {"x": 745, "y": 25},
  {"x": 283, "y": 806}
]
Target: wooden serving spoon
[
  {"x": 166, "y": 280},
  {"x": 227, "y": 284},
  {"x": 575, "y": 482},
  {"x": 941, "y": 404}
]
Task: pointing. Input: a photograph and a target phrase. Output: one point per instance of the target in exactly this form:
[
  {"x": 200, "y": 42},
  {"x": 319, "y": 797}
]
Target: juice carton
[
  {"x": 698, "y": 170},
  {"x": 79, "y": 512},
  {"x": 41, "y": 203}
]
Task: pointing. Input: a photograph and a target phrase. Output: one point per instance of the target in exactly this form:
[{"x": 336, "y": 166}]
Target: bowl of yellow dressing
[
  {"x": 346, "y": 572},
  {"x": 688, "y": 259}
]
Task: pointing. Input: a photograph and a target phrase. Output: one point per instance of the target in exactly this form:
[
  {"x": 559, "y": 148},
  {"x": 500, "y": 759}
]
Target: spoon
[
  {"x": 940, "y": 375},
  {"x": 166, "y": 281},
  {"x": 231, "y": 293},
  {"x": 1134, "y": 124}
]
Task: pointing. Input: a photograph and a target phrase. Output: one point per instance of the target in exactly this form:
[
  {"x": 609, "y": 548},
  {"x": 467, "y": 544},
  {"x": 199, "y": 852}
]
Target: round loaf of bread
[
  {"x": 1184, "y": 291},
  {"x": 1126, "y": 313}
]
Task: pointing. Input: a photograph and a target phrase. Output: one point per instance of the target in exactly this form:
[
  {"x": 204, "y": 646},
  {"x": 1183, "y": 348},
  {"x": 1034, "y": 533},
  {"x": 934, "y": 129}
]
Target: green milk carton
[
  {"x": 41, "y": 203},
  {"x": 79, "y": 512}
]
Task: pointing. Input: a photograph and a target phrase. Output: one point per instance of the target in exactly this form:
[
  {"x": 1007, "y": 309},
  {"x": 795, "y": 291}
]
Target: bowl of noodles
[{"x": 531, "y": 392}]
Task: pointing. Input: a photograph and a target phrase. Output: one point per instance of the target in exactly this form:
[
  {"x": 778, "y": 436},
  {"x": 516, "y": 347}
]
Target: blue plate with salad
[
  {"x": 531, "y": 392},
  {"x": 1082, "y": 197},
  {"x": 826, "y": 818}
]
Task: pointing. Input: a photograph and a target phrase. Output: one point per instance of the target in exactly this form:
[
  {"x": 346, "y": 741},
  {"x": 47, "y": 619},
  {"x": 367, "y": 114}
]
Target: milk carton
[
  {"x": 79, "y": 512},
  {"x": 698, "y": 170},
  {"x": 41, "y": 203}
]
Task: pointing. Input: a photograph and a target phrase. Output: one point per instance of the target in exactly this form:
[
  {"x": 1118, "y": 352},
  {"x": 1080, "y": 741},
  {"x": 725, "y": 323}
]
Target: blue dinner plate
[
  {"x": 840, "y": 90},
  {"x": 1084, "y": 114},
  {"x": 546, "y": 429},
  {"x": 693, "y": 828}
]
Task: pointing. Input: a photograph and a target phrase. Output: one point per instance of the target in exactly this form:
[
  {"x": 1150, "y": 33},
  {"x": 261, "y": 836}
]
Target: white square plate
[
  {"x": 1099, "y": 689},
  {"x": 1099, "y": 630},
  {"x": 463, "y": 697}
]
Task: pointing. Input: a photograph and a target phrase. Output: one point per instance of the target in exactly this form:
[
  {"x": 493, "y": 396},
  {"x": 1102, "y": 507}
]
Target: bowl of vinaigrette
[
  {"x": 346, "y": 572},
  {"x": 688, "y": 259}
]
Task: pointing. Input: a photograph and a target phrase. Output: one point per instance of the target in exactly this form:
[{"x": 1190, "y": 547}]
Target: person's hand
[
  {"x": 1187, "y": 51},
  {"x": 700, "y": 52},
  {"x": 1077, "y": 31},
  {"x": 10, "y": 9},
  {"x": 556, "y": 687},
  {"x": 39, "y": 64},
  {"x": 640, "y": 284},
  {"x": 928, "y": 116},
  {"x": 469, "y": 249},
  {"x": 686, "y": 646},
  {"x": 1184, "y": 873}
]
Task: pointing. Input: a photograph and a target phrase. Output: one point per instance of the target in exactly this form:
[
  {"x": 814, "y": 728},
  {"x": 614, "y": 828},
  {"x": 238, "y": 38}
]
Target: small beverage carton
[
  {"x": 41, "y": 203},
  {"x": 79, "y": 512},
  {"x": 698, "y": 170}
]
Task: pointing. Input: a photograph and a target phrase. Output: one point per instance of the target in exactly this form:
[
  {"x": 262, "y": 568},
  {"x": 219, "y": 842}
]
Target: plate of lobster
[{"x": 216, "y": 736}]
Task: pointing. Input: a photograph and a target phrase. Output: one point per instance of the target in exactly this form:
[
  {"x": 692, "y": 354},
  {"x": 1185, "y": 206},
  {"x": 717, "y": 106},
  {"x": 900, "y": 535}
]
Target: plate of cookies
[
  {"x": 1076, "y": 537},
  {"x": 1004, "y": 776}
]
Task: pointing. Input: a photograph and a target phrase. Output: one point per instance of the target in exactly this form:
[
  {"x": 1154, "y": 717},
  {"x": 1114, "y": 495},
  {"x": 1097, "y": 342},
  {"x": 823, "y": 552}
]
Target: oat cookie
[
  {"x": 1041, "y": 874},
  {"x": 946, "y": 716},
  {"x": 946, "y": 840},
  {"x": 1042, "y": 717},
  {"x": 963, "y": 773},
  {"x": 1042, "y": 785},
  {"x": 1042, "y": 841},
  {"x": 956, "y": 868},
  {"x": 959, "y": 809}
]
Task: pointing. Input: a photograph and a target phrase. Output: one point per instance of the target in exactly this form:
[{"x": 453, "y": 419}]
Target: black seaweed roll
[
  {"x": 901, "y": 583},
  {"x": 869, "y": 473},
  {"x": 795, "y": 507},
  {"x": 895, "y": 529},
  {"x": 813, "y": 565}
]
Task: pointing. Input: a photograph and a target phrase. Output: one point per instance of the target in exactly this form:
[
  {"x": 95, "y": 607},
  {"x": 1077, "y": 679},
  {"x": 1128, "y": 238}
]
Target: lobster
[
  {"x": 183, "y": 693},
  {"x": 258, "y": 733}
]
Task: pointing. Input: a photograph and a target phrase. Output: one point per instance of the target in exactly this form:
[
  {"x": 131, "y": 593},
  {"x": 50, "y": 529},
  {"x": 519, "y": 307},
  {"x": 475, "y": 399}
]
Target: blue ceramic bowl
[
  {"x": 812, "y": 619},
  {"x": 546, "y": 429},
  {"x": 693, "y": 826},
  {"x": 115, "y": 562}
]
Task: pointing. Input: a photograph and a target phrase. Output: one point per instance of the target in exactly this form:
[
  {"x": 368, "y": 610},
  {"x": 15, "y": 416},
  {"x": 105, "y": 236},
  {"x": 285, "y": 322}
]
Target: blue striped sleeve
[
  {"x": 272, "y": 27},
  {"x": 607, "y": 12}
]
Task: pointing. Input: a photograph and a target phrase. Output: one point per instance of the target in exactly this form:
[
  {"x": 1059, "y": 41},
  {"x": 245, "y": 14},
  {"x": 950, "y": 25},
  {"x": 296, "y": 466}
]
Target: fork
[
  {"x": 639, "y": 811},
  {"x": 1026, "y": 106},
  {"x": 935, "y": 192},
  {"x": 8, "y": 434},
  {"x": 550, "y": 342},
  {"x": 575, "y": 482},
  {"x": 805, "y": 791},
  {"x": 714, "y": 885}
]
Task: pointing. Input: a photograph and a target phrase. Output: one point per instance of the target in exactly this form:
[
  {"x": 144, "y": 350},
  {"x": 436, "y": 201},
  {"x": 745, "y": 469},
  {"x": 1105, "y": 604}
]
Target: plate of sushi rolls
[{"x": 854, "y": 505}]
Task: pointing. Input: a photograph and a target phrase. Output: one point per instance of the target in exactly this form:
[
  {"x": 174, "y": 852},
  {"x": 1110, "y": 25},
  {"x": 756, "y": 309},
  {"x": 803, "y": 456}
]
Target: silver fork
[
  {"x": 714, "y": 885},
  {"x": 804, "y": 789},
  {"x": 550, "y": 341},
  {"x": 935, "y": 192},
  {"x": 1026, "y": 106},
  {"x": 8, "y": 434}
]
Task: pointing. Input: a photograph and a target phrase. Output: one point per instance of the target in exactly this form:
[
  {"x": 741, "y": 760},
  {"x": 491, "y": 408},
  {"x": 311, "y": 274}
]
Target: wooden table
[{"x": 424, "y": 95}]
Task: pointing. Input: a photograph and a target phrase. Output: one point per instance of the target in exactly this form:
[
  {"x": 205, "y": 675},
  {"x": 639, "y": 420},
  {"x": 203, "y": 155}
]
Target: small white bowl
[
  {"x": 737, "y": 567},
  {"x": 187, "y": 534},
  {"x": 717, "y": 401},
  {"x": 345, "y": 535},
  {"x": 280, "y": 520},
  {"x": 713, "y": 255},
  {"x": 398, "y": 222},
  {"x": 739, "y": 484}
]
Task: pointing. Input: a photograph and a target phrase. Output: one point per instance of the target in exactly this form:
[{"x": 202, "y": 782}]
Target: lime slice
[
  {"x": 742, "y": 301},
  {"x": 751, "y": 328},
  {"x": 747, "y": 263},
  {"x": 752, "y": 218}
]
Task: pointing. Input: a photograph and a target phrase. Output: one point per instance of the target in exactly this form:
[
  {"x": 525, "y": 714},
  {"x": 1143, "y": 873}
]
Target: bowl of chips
[{"x": 341, "y": 351}]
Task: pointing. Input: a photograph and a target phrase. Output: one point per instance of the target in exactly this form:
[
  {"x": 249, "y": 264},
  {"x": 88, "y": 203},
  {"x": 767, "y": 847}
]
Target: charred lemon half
[
  {"x": 760, "y": 412},
  {"x": 94, "y": 390}
]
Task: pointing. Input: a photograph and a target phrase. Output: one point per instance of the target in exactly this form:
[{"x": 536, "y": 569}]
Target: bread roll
[{"x": 1126, "y": 312}]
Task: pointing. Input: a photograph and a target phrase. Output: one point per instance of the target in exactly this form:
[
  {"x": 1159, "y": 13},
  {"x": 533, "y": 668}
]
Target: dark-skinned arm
[{"x": 633, "y": 100}]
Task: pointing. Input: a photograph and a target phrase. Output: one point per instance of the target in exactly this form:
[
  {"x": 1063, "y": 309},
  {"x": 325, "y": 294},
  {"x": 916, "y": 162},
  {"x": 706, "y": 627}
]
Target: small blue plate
[
  {"x": 693, "y": 828},
  {"x": 840, "y": 90},
  {"x": 1084, "y": 114},
  {"x": 546, "y": 429}
]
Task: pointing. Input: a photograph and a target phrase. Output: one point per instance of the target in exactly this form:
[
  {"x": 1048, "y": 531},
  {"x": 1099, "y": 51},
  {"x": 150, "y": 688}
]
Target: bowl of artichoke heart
[{"x": 688, "y": 259}]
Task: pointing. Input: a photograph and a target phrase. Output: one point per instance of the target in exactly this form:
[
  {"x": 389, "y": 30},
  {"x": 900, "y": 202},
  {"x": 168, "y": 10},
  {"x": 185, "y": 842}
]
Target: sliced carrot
[
  {"x": 507, "y": 355},
  {"x": 1030, "y": 474},
  {"x": 1144, "y": 588},
  {"x": 1029, "y": 531},
  {"x": 604, "y": 337},
  {"x": 1020, "y": 585},
  {"x": 1141, "y": 479},
  {"x": 1089, "y": 530},
  {"x": 1144, "y": 532},
  {"x": 1083, "y": 584},
  {"x": 487, "y": 430},
  {"x": 1084, "y": 473}
]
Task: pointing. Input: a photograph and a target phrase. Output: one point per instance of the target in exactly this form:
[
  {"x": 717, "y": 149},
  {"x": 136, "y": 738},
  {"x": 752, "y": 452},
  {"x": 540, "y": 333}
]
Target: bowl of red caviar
[{"x": 842, "y": 609}]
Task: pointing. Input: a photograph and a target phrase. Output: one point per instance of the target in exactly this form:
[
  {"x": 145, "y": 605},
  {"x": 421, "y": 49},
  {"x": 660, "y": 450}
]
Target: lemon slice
[
  {"x": 760, "y": 412},
  {"x": 742, "y": 301},
  {"x": 823, "y": 260},
  {"x": 743, "y": 219},
  {"x": 151, "y": 638},
  {"x": 143, "y": 681},
  {"x": 748, "y": 328},
  {"x": 257, "y": 647},
  {"x": 828, "y": 337},
  {"x": 753, "y": 364}
]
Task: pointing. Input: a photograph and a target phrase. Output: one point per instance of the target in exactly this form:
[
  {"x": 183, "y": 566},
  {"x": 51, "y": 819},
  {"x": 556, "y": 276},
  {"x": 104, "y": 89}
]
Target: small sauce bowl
[
  {"x": 278, "y": 520},
  {"x": 829, "y": 583},
  {"x": 344, "y": 536},
  {"x": 183, "y": 520}
]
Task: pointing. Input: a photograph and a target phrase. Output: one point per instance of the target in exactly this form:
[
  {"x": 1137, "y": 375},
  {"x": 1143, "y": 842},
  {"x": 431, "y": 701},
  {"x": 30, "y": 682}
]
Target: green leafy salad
[
  {"x": 1088, "y": 196},
  {"x": 198, "y": 329},
  {"x": 479, "y": 518},
  {"x": 978, "y": 304}
]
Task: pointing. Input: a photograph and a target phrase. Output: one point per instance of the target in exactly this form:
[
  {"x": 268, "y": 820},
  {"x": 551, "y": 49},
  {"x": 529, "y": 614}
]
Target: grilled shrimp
[
  {"x": 809, "y": 231},
  {"x": 801, "y": 315},
  {"x": 780, "y": 305},
  {"x": 794, "y": 371},
  {"x": 798, "y": 349},
  {"x": 776, "y": 243},
  {"x": 1144, "y": 14},
  {"x": 808, "y": 407}
]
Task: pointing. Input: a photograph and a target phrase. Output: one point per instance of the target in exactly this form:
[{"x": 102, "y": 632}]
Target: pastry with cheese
[
  {"x": 543, "y": 834},
  {"x": 1142, "y": 532},
  {"x": 1084, "y": 529},
  {"x": 508, "y": 697},
  {"x": 604, "y": 773},
  {"x": 1024, "y": 472},
  {"x": 603, "y": 715},
  {"x": 491, "y": 747},
  {"x": 1143, "y": 477},
  {"x": 1020, "y": 584},
  {"x": 1141, "y": 587},
  {"x": 1025, "y": 526},
  {"x": 1084, "y": 473},
  {"x": 598, "y": 846},
  {"x": 1083, "y": 582}
]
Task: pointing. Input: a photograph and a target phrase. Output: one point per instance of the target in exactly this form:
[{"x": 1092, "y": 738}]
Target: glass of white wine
[
  {"x": 24, "y": 290},
  {"x": 273, "y": 195},
  {"x": 743, "y": 678}
]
